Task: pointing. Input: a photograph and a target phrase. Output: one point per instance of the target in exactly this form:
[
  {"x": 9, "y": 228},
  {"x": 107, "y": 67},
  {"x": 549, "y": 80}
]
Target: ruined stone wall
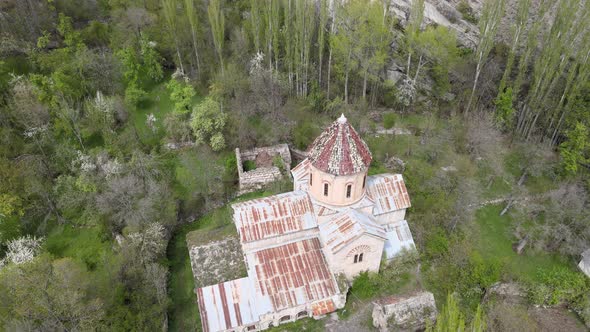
[
  {"x": 257, "y": 178},
  {"x": 404, "y": 312}
]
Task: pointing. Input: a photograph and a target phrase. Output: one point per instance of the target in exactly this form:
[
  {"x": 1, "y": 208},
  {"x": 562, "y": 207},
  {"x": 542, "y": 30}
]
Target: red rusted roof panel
[
  {"x": 294, "y": 274},
  {"x": 271, "y": 216},
  {"x": 389, "y": 193},
  {"x": 345, "y": 227}
]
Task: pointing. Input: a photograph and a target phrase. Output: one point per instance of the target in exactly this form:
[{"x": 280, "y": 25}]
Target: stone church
[{"x": 299, "y": 246}]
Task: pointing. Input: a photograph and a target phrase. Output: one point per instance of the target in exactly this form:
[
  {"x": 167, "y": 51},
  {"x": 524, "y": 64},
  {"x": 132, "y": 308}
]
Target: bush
[
  {"x": 389, "y": 120},
  {"x": 558, "y": 285},
  {"x": 467, "y": 12}
]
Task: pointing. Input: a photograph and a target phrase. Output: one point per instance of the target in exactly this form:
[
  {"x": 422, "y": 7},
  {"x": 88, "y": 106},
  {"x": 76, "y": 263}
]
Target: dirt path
[{"x": 359, "y": 321}]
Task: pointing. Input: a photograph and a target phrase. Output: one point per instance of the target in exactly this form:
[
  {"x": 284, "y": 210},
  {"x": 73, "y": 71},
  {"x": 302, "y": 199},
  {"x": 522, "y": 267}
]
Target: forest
[{"x": 119, "y": 120}]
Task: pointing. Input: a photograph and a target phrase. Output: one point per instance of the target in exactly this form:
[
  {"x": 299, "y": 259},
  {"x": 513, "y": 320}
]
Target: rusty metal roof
[
  {"x": 271, "y": 216},
  {"x": 339, "y": 150},
  {"x": 301, "y": 175},
  {"x": 346, "y": 227},
  {"x": 292, "y": 274},
  {"x": 227, "y": 305},
  {"x": 389, "y": 193},
  {"x": 323, "y": 307},
  {"x": 399, "y": 237}
]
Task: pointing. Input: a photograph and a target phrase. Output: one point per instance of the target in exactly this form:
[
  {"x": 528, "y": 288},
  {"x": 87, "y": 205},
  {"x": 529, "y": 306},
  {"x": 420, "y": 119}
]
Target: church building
[{"x": 300, "y": 246}]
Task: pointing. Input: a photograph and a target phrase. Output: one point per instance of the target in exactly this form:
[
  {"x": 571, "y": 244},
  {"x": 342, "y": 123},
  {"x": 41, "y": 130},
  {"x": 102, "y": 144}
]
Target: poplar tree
[
  {"x": 271, "y": 15},
  {"x": 551, "y": 63},
  {"x": 412, "y": 30},
  {"x": 217, "y": 22},
  {"x": 193, "y": 19},
  {"x": 488, "y": 26},
  {"x": 323, "y": 20},
  {"x": 256, "y": 23},
  {"x": 169, "y": 9},
  {"x": 303, "y": 29},
  {"x": 517, "y": 30}
]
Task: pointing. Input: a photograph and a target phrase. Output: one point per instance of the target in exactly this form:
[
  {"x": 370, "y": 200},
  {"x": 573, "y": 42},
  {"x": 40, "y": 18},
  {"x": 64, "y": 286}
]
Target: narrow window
[
  {"x": 364, "y": 180},
  {"x": 348, "y": 190},
  {"x": 356, "y": 258},
  {"x": 360, "y": 257},
  {"x": 325, "y": 189},
  {"x": 310, "y": 179}
]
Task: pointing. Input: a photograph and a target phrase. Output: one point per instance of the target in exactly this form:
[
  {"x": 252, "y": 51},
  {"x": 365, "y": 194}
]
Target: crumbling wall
[
  {"x": 404, "y": 312},
  {"x": 257, "y": 178}
]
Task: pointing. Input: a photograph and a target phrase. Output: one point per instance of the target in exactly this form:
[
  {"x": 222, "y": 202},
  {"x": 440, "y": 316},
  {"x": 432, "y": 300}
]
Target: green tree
[
  {"x": 193, "y": 19},
  {"x": 217, "y": 23},
  {"x": 169, "y": 8},
  {"x": 492, "y": 13},
  {"x": 208, "y": 121},
  {"x": 573, "y": 150},
  {"x": 181, "y": 94},
  {"x": 450, "y": 318},
  {"x": 504, "y": 109}
]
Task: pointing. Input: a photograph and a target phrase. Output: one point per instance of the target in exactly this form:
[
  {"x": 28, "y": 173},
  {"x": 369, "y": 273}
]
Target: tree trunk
[
  {"x": 365, "y": 86},
  {"x": 522, "y": 178},
  {"x": 510, "y": 202},
  {"x": 196, "y": 51},
  {"x": 329, "y": 71}
]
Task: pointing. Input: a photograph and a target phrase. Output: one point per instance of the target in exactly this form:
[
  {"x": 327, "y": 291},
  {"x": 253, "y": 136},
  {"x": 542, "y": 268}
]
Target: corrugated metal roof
[
  {"x": 301, "y": 175},
  {"x": 323, "y": 307},
  {"x": 228, "y": 305},
  {"x": 389, "y": 193},
  {"x": 399, "y": 237},
  {"x": 266, "y": 217},
  {"x": 346, "y": 227},
  {"x": 339, "y": 150},
  {"x": 292, "y": 274}
]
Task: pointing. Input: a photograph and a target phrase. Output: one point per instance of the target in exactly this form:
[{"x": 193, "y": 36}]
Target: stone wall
[
  {"x": 404, "y": 312},
  {"x": 257, "y": 178}
]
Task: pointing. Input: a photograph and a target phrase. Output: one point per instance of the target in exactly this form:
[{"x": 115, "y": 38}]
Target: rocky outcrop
[{"x": 444, "y": 13}]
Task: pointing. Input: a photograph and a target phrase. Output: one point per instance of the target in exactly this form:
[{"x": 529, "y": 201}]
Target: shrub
[
  {"x": 303, "y": 134},
  {"x": 389, "y": 120},
  {"x": 558, "y": 285},
  {"x": 467, "y": 12}
]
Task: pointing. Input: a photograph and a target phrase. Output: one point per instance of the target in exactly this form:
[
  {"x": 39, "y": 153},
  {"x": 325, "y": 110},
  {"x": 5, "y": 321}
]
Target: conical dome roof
[{"x": 339, "y": 150}]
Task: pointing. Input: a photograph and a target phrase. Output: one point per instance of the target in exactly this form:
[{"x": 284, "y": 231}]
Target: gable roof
[
  {"x": 227, "y": 305},
  {"x": 292, "y": 274},
  {"x": 339, "y": 150},
  {"x": 275, "y": 215},
  {"x": 345, "y": 227},
  {"x": 389, "y": 193}
]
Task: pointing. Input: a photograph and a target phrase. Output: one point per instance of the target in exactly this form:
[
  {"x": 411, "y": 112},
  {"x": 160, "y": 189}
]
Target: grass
[
  {"x": 88, "y": 245},
  {"x": 307, "y": 324},
  {"x": 495, "y": 240}
]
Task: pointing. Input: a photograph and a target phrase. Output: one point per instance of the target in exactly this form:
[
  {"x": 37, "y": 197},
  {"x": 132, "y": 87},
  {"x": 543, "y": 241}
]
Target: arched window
[
  {"x": 310, "y": 179},
  {"x": 358, "y": 258},
  {"x": 285, "y": 319},
  {"x": 364, "y": 181},
  {"x": 302, "y": 314},
  {"x": 326, "y": 189},
  {"x": 348, "y": 190}
]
